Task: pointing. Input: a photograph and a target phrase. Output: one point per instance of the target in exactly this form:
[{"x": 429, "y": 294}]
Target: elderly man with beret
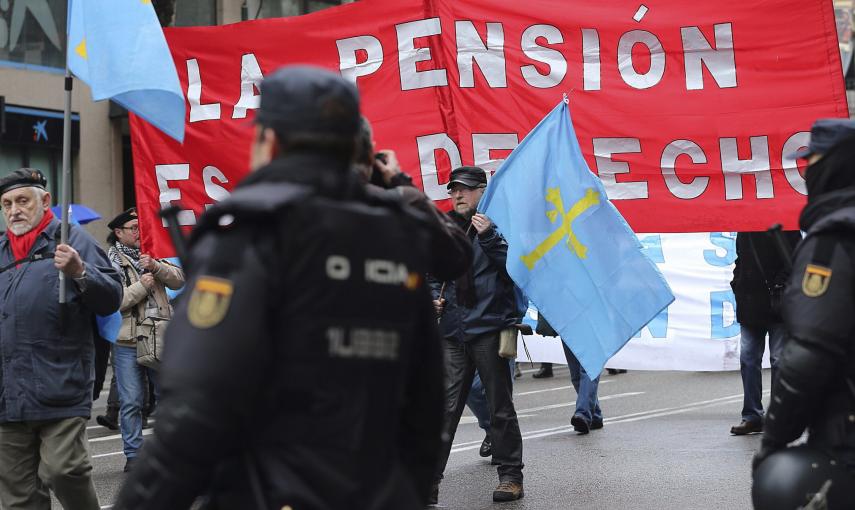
[{"x": 46, "y": 349}]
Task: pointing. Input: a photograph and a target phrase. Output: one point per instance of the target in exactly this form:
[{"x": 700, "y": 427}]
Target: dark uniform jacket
[
  {"x": 759, "y": 277},
  {"x": 47, "y": 361},
  {"x": 816, "y": 385},
  {"x": 302, "y": 367},
  {"x": 494, "y": 303}
]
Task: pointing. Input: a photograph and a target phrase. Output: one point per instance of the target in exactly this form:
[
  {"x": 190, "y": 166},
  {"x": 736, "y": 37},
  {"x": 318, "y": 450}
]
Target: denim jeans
[
  {"x": 130, "y": 379},
  {"x": 587, "y": 402},
  {"x": 461, "y": 361},
  {"x": 477, "y": 403},
  {"x": 752, "y": 343}
]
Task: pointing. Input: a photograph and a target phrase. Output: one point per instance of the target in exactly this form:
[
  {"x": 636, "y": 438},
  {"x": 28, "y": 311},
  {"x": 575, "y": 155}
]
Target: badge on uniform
[
  {"x": 209, "y": 302},
  {"x": 816, "y": 280}
]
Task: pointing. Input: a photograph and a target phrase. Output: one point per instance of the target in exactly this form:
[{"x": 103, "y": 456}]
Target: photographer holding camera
[{"x": 758, "y": 284}]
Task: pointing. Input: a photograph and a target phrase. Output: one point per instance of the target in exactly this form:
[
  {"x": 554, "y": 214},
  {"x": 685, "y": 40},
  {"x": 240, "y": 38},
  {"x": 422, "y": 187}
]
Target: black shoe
[
  {"x": 508, "y": 491},
  {"x": 105, "y": 420},
  {"x": 433, "y": 496},
  {"x": 616, "y": 371},
  {"x": 544, "y": 372},
  {"x": 486, "y": 447},
  {"x": 596, "y": 424},
  {"x": 580, "y": 424},
  {"x": 747, "y": 427},
  {"x": 145, "y": 423},
  {"x": 129, "y": 465}
]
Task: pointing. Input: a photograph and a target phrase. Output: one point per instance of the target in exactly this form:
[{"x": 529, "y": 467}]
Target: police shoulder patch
[
  {"x": 209, "y": 302},
  {"x": 816, "y": 280}
]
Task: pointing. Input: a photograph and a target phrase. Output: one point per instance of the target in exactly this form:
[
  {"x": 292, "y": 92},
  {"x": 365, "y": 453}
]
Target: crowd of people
[{"x": 292, "y": 314}]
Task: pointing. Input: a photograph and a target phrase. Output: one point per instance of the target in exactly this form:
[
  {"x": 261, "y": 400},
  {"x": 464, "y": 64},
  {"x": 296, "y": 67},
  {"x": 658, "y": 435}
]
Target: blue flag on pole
[
  {"x": 117, "y": 47},
  {"x": 569, "y": 249}
]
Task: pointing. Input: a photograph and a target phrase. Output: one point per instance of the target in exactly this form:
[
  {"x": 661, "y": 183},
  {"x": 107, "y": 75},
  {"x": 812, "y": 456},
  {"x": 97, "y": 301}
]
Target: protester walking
[
  {"x": 144, "y": 280},
  {"x": 48, "y": 354},
  {"x": 473, "y": 311}
]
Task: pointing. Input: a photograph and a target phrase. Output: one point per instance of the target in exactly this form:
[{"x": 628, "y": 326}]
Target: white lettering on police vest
[
  {"x": 386, "y": 272},
  {"x": 363, "y": 343}
]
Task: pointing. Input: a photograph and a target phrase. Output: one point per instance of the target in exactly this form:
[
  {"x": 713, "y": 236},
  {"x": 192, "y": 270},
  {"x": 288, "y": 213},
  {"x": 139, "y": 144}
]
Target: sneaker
[
  {"x": 580, "y": 424},
  {"x": 486, "y": 447},
  {"x": 433, "y": 496},
  {"x": 105, "y": 420},
  {"x": 596, "y": 423},
  {"x": 129, "y": 465},
  {"x": 508, "y": 491},
  {"x": 747, "y": 427},
  {"x": 544, "y": 372}
]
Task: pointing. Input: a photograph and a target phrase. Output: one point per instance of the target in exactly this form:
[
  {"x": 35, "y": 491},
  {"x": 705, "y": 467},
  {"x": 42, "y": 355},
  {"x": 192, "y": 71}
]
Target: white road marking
[
  {"x": 117, "y": 436},
  {"x": 106, "y": 455},
  {"x": 471, "y": 419},
  {"x": 644, "y": 415},
  {"x": 554, "y": 389}
]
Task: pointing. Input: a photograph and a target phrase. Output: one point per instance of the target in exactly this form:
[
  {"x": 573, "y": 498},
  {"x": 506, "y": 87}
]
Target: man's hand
[
  {"x": 67, "y": 260},
  {"x": 147, "y": 280},
  {"x": 767, "y": 448},
  {"x": 438, "y": 306},
  {"x": 390, "y": 168},
  {"x": 481, "y": 223},
  {"x": 148, "y": 263}
]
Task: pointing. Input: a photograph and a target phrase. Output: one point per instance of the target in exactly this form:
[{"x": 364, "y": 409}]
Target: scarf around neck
[
  {"x": 22, "y": 244},
  {"x": 132, "y": 254}
]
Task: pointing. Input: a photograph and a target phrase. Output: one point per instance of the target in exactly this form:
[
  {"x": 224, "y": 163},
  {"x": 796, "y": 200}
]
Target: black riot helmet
[{"x": 802, "y": 478}]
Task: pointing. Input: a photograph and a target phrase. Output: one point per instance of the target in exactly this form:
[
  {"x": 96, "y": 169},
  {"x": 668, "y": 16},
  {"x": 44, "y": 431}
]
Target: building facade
[{"x": 32, "y": 61}]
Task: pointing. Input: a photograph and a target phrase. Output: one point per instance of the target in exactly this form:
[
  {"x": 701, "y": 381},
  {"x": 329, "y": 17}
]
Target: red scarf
[{"x": 21, "y": 244}]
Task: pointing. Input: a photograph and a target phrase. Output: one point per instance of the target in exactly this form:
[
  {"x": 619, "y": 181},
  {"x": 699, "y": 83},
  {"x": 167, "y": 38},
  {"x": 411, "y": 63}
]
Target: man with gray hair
[{"x": 46, "y": 369}]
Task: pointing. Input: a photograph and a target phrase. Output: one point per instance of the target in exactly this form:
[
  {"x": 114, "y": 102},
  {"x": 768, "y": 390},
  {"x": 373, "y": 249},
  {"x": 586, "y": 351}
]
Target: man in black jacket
[
  {"x": 816, "y": 386},
  {"x": 305, "y": 369},
  {"x": 758, "y": 282},
  {"x": 473, "y": 310}
]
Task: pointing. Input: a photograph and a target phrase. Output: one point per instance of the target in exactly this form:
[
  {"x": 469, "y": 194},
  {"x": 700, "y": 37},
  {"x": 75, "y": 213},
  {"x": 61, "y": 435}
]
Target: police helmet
[{"x": 802, "y": 478}]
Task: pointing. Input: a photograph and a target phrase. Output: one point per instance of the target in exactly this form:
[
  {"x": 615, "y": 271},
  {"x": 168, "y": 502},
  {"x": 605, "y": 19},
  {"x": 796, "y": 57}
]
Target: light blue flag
[
  {"x": 117, "y": 47},
  {"x": 109, "y": 326},
  {"x": 569, "y": 249}
]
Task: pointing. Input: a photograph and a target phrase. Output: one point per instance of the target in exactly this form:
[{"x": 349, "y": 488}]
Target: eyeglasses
[{"x": 135, "y": 229}]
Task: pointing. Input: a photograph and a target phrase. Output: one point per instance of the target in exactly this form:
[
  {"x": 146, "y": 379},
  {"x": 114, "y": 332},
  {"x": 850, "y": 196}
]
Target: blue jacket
[
  {"x": 498, "y": 303},
  {"x": 46, "y": 371}
]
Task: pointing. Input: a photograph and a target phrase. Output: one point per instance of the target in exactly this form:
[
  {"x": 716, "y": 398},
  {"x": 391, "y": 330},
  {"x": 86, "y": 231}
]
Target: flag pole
[{"x": 66, "y": 174}]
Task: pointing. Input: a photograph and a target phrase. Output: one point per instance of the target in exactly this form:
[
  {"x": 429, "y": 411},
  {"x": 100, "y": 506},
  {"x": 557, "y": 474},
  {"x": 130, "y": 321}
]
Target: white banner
[{"x": 698, "y": 332}]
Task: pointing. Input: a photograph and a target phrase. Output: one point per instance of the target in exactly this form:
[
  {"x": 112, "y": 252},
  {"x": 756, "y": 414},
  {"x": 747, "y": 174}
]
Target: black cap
[
  {"x": 123, "y": 217},
  {"x": 824, "y": 134},
  {"x": 23, "y": 178},
  {"x": 471, "y": 176},
  {"x": 309, "y": 100}
]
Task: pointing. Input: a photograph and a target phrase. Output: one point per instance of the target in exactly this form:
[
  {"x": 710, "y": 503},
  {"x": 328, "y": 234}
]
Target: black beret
[
  {"x": 122, "y": 218},
  {"x": 23, "y": 178},
  {"x": 310, "y": 100},
  {"x": 471, "y": 176}
]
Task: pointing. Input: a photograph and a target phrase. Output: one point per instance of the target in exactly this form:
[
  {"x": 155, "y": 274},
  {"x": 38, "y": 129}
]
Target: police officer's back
[
  {"x": 302, "y": 369},
  {"x": 815, "y": 389}
]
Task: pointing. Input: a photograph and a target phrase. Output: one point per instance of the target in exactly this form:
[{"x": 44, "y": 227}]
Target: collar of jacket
[
  {"x": 328, "y": 175},
  {"x": 50, "y": 232},
  {"x": 837, "y": 207}
]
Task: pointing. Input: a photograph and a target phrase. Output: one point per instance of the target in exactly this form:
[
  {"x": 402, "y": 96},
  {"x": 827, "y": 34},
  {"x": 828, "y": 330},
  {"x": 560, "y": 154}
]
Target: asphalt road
[{"x": 665, "y": 444}]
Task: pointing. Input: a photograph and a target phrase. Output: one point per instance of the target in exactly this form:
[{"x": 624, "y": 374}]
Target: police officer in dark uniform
[
  {"x": 815, "y": 389},
  {"x": 303, "y": 367}
]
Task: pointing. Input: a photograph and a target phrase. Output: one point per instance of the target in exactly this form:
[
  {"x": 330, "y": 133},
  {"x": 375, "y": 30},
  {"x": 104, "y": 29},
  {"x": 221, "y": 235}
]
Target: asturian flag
[
  {"x": 117, "y": 47},
  {"x": 569, "y": 249}
]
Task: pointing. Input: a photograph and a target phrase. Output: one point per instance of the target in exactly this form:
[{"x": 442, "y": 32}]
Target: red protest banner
[{"x": 684, "y": 109}]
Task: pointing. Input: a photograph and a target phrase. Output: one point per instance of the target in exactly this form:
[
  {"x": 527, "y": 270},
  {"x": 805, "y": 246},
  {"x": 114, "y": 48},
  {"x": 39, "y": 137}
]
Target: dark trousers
[{"x": 461, "y": 361}]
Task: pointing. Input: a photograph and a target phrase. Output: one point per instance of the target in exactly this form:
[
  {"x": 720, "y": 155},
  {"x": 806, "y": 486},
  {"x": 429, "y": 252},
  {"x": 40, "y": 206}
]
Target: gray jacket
[{"x": 46, "y": 356}]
